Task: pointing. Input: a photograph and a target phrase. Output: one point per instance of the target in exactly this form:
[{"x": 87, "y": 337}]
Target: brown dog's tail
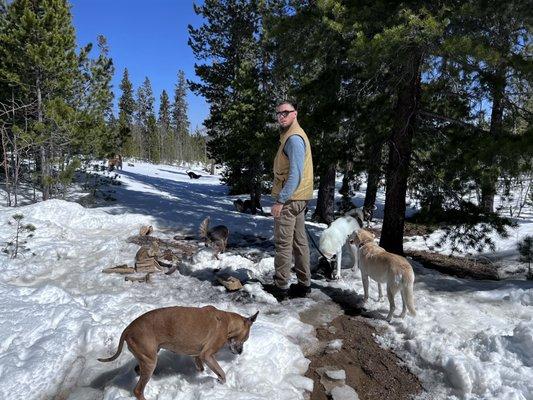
[
  {"x": 204, "y": 228},
  {"x": 119, "y": 350}
]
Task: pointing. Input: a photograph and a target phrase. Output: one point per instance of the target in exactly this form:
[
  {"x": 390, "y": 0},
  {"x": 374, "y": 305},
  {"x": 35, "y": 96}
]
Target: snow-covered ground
[{"x": 470, "y": 339}]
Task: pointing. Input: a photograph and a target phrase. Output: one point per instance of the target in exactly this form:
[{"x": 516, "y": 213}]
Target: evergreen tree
[
  {"x": 235, "y": 86},
  {"x": 319, "y": 88},
  {"x": 39, "y": 63},
  {"x": 126, "y": 107},
  {"x": 163, "y": 122},
  {"x": 180, "y": 120},
  {"x": 525, "y": 249},
  {"x": 491, "y": 45},
  {"x": 100, "y": 98},
  {"x": 145, "y": 121}
]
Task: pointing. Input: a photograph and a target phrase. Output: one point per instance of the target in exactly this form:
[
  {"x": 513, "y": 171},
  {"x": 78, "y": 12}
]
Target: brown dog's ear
[{"x": 253, "y": 317}]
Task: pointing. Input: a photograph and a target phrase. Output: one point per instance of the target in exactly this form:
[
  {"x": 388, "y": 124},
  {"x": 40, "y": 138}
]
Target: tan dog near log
[
  {"x": 384, "y": 267},
  {"x": 197, "y": 332}
]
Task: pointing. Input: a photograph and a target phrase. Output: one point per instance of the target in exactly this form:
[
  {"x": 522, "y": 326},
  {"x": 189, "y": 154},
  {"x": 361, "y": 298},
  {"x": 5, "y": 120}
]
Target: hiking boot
[
  {"x": 279, "y": 293},
  {"x": 299, "y": 290}
]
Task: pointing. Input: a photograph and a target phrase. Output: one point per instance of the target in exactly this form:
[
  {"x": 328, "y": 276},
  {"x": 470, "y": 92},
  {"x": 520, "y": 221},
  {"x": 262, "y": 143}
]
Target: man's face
[{"x": 286, "y": 114}]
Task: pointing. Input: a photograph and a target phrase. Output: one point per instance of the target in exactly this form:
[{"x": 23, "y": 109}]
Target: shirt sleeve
[{"x": 295, "y": 150}]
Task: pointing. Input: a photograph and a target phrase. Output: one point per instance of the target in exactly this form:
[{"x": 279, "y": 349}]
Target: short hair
[{"x": 291, "y": 102}]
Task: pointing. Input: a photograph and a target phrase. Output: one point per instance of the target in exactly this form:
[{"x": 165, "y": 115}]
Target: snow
[
  {"x": 334, "y": 345},
  {"x": 469, "y": 340},
  {"x": 339, "y": 374},
  {"x": 344, "y": 393}
]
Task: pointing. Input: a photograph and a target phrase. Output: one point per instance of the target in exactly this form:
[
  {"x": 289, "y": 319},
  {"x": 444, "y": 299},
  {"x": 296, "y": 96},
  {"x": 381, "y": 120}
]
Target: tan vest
[{"x": 304, "y": 191}]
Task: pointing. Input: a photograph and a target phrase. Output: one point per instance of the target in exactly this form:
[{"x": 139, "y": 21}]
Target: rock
[
  {"x": 329, "y": 383},
  {"x": 336, "y": 375},
  {"x": 344, "y": 393},
  {"x": 230, "y": 283},
  {"x": 332, "y": 329},
  {"x": 334, "y": 346},
  {"x": 146, "y": 230}
]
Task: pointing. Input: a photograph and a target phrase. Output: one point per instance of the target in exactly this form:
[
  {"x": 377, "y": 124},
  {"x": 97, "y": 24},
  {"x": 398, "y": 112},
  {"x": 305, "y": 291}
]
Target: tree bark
[
  {"x": 374, "y": 174},
  {"x": 42, "y": 149},
  {"x": 400, "y": 148},
  {"x": 347, "y": 180},
  {"x": 488, "y": 188},
  {"x": 5, "y": 163},
  {"x": 326, "y": 196}
]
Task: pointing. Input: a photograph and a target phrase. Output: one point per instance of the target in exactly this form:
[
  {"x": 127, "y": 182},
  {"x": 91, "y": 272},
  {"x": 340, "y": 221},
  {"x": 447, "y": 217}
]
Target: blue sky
[{"x": 149, "y": 38}]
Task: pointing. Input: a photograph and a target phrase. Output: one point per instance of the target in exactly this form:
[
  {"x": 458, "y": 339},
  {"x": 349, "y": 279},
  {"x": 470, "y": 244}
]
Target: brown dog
[{"x": 197, "y": 332}]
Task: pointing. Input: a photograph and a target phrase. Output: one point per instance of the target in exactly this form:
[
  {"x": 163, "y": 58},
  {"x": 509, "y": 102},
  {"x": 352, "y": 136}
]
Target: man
[{"x": 292, "y": 190}]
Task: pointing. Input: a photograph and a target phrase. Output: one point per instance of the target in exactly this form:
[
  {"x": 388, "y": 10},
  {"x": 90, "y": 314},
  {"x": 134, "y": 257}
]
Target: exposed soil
[{"x": 373, "y": 372}]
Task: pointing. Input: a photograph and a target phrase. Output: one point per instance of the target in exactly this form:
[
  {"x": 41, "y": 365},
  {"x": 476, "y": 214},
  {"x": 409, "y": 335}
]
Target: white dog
[
  {"x": 384, "y": 267},
  {"x": 337, "y": 234}
]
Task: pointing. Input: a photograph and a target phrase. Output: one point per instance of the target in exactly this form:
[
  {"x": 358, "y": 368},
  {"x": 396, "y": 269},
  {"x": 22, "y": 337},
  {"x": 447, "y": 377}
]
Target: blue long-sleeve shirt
[{"x": 294, "y": 149}]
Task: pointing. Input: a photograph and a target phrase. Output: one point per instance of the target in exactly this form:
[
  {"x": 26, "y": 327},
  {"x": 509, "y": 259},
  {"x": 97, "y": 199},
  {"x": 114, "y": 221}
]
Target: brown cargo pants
[{"x": 290, "y": 238}]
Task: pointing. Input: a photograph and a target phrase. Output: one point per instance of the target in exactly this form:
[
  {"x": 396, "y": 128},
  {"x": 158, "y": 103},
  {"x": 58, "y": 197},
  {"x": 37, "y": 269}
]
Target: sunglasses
[{"x": 284, "y": 114}]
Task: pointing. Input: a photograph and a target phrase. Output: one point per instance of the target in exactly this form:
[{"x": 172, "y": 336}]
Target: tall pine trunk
[
  {"x": 5, "y": 163},
  {"x": 400, "y": 147},
  {"x": 326, "y": 196},
  {"x": 488, "y": 188},
  {"x": 45, "y": 183},
  {"x": 374, "y": 174},
  {"x": 347, "y": 179}
]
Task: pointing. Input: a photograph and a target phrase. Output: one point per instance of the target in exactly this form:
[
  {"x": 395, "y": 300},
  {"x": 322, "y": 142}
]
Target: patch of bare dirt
[{"x": 373, "y": 372}]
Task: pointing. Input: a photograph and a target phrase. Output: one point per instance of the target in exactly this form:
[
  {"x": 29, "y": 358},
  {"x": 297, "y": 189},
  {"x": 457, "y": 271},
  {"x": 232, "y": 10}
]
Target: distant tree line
[
  {"x": 431, "y": 99},
  {"x": 56, "y": 105}
]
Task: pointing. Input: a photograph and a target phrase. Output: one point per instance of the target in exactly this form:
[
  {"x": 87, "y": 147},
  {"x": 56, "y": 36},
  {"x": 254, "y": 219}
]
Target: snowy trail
[{"x": 470, "y": 339}]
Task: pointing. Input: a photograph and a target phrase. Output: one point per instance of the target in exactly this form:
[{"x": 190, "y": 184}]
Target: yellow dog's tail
[{"x": 407, "y": 292}]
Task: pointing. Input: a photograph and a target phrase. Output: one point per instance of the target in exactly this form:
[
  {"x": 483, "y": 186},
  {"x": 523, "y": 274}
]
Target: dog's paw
[{"x": 337, "y": 276}]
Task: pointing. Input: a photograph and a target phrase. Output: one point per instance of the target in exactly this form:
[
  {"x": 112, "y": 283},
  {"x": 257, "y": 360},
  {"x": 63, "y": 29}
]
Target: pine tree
[
  {"x": 235, "y": 86},
  {"x": 180, "y": 120},
  {"x": 525, "y": 249},
  {"x": 39, "y": 63},
  {"x": 491, "y": 45},
  {"x": 145, "y": 121},
  {"x": 126, "y": 107},
  {"x": 101, "y": 99},
  {"x": 163, "y": 122}
]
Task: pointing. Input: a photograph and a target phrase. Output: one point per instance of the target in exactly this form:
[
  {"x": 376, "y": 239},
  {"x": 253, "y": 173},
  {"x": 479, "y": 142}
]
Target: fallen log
[
  {"x": 119, "y": 269},
  {"x": 143, "y": 279}
]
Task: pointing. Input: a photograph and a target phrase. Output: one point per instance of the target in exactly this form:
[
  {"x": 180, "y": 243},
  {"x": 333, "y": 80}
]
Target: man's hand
[{"x": 276, "y": 210}]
